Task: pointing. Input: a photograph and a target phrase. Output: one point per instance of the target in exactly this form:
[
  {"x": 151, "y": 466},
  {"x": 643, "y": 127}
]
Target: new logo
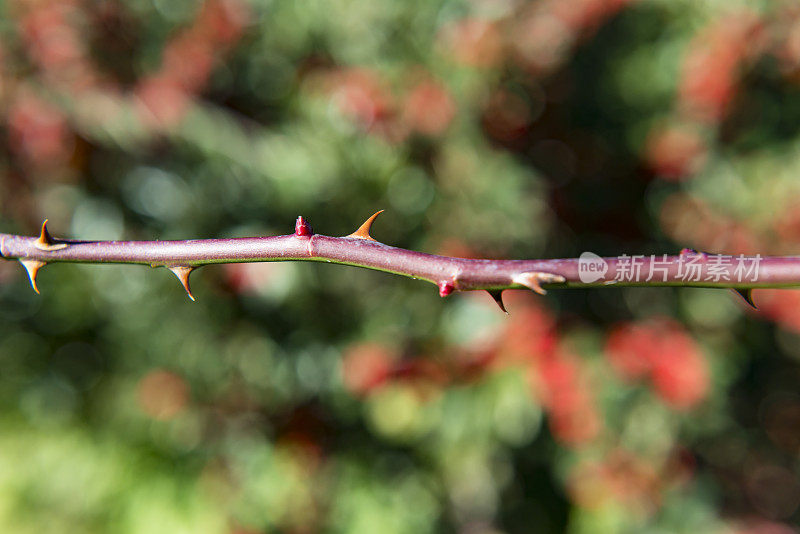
[{"x": 591, "y": 267}]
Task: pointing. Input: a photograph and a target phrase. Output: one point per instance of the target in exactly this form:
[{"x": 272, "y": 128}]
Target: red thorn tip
[
  {"x": 445, "y": 288},
  {"x": 302, "y": 228}
]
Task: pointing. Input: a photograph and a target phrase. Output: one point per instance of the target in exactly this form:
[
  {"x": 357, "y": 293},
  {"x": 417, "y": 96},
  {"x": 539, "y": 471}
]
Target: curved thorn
[
  {"x": 747, "y": 294},
  {"x": 46, "y": 242},
  {"x": 44, "y": 237},
  {"x": 497, "y": 295},
  {"x": 32, "y": 267},
  {"x": 183, "y": 272},
  {"x": 533, "y": 280},
  {"x": 363, "y": 230}
]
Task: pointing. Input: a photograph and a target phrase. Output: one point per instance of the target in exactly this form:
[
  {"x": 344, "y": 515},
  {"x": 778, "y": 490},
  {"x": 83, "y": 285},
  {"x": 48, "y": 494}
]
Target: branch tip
[
  {"x": 32, "y": 268},
  {"x": 183, "y": 272},
  {"x": 46, "y": 241},
  {"x": 363, "y": 230},
  {"x": 302, "y": 228}
]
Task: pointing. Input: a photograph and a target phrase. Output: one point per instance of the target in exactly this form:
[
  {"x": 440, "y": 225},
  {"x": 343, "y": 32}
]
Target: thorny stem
[{"x": 689, "y": 268}]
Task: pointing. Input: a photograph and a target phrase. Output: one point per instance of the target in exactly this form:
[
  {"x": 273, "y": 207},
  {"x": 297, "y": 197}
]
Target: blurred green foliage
[{"x": 304, "y": 398}]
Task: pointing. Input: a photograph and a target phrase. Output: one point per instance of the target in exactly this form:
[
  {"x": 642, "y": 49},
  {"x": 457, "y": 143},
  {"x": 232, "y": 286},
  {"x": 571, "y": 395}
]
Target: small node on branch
[
  {"x": 363, "y": 230},
  {"x": 183, "y": 272},
  {"x": 497, "y": 295},
  {"x": 445, "y": 288},
  {"x": 534, "y": 280},
  {"x": 46, "y": 242},
  {"x": 302, "y": 228},
  {"x": 32, "y": 267}
]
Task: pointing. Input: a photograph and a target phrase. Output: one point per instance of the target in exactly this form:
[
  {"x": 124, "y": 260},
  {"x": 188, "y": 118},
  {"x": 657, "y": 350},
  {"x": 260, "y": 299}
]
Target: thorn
[
  {"x": 497, "y": 295},
  {"x": 302, "y": 228},
  {"x": 32, "y": 267},
  {"x": 46, "y": 242},
  {"x": 693, "y": 252},
  {"x": 533, "y": 280},
  {"x": 445, "y": 288},
  {"x": 363, "y": 230},
  {"x": 183, "y": 272},
  {"x": 747, "y": 294}
]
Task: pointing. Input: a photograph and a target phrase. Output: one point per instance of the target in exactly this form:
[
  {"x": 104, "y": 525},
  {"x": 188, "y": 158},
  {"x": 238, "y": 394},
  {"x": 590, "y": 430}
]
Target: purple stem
[{"x": 689, "y": 268}]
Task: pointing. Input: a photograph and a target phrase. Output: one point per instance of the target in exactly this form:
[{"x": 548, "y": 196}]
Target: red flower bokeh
[
  {"x": 366, "y": 367},
  {"x": 428, "y": 108},
  {"x": 661, "y": 350},
  {"x": 675, "y": 151},
  {"x": 711, "y": 68}
]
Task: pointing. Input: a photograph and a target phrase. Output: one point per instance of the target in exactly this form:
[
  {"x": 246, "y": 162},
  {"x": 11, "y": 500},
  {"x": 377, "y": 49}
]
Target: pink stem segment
[{"x": 689, "y": 268}]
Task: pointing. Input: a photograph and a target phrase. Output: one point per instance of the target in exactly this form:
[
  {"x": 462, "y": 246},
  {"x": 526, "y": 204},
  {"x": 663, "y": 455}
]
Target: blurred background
[{"x": 306, "y": 398}]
